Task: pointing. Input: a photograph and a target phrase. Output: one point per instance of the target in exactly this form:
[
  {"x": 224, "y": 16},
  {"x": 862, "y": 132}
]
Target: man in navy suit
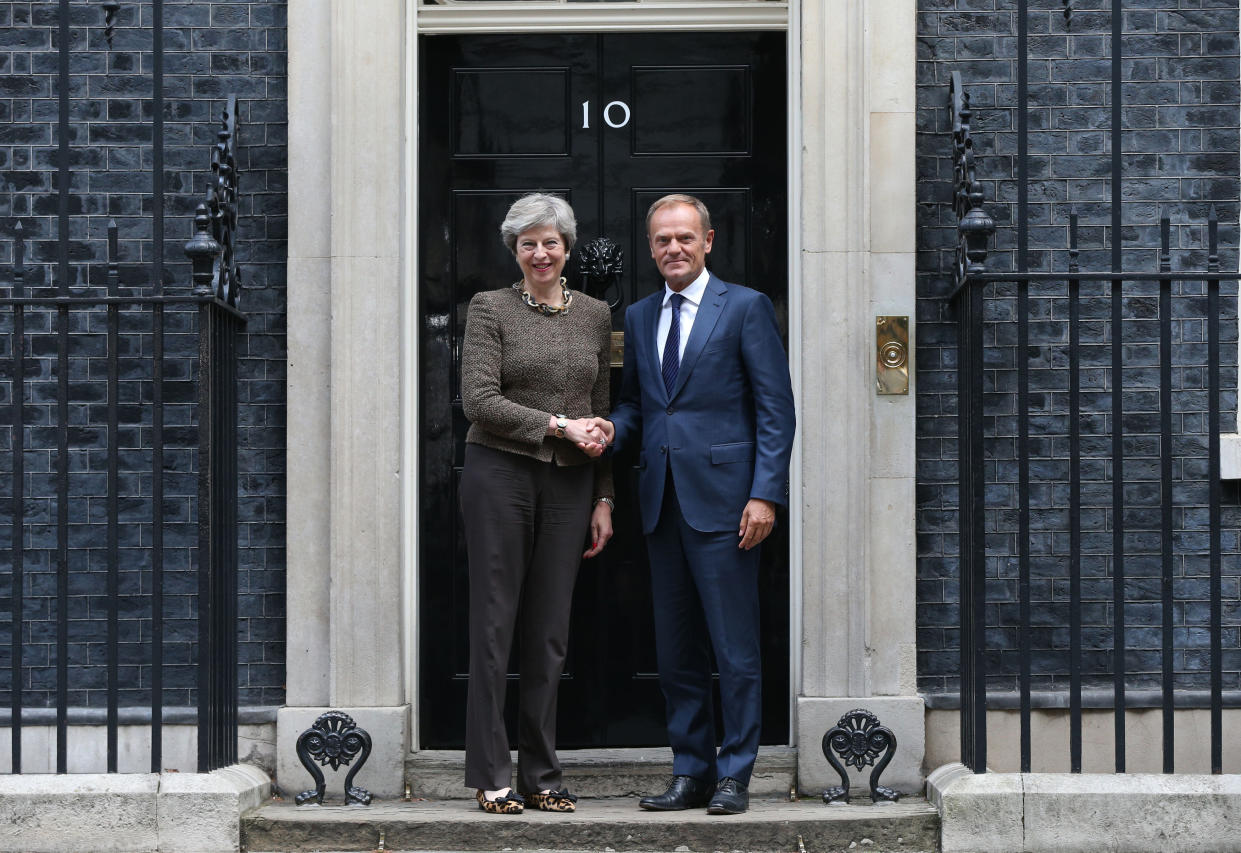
[{"x": 705, "y": 392}]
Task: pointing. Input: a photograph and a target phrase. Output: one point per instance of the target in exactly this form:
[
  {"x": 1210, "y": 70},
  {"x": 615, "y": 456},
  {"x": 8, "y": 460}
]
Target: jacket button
[
  {"x": 663, "y": 448},
  {"x": 669, "y": 410}
]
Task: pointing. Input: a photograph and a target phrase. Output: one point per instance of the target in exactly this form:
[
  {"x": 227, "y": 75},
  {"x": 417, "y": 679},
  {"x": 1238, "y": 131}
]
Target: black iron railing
[
  {"x": 152, "y": 428},
  {"x": 217, "y": 287},
  {"x": 1098, "y": 563},
  {"x": 119, "y": 498}
]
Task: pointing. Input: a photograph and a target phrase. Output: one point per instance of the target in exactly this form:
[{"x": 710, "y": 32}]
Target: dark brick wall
[
  {"x": 1180, "y": 154},
  {"x": 212, "y": 49}
]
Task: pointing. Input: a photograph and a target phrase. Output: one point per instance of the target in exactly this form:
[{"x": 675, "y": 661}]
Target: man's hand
[
  {"x": 757, "y": 520},
  {"x": 586, "y": 435},
  {"x": 605, "y": 428},
  {"x": 600, "y": 528}
]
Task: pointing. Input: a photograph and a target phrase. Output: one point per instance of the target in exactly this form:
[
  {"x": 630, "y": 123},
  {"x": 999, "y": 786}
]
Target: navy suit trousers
[{"x": 705, "y": 592}]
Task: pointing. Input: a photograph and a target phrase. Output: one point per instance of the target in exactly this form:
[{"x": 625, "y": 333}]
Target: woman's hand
[
  {"x": 606, "y": 428},
  {"x": 600, "y": 528},
  {"x": 587, "y": 436}
]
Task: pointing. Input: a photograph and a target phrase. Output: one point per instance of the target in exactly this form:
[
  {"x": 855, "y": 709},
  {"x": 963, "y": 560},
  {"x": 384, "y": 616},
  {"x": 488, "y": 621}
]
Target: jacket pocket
[
  {"x": 727, "y": 342},
  {"x": 737, "y": 451}
]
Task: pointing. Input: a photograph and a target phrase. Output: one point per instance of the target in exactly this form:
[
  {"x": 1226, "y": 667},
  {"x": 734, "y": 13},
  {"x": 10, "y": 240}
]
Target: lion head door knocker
[
  {"x": 600, "y": 263},
  {"x": 334, "y": 740},
  {"x": 859, "y": 739}
]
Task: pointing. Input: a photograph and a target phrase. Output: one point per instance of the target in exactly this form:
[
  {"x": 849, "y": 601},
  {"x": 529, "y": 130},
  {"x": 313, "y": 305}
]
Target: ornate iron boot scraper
[
  {"x": 334, "y": 740},
  {"x": 859, "y": 739}
]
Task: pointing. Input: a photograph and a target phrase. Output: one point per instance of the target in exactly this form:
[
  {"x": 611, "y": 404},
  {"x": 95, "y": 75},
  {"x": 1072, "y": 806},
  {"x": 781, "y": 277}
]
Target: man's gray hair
[
  {"x": 681, "y": 198},
  {"x": 537, "y": 210}
]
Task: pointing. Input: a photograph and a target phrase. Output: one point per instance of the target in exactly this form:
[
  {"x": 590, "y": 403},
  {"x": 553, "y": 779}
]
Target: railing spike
[
  {"x": 222, "y": 205},
  {"x": 19, "y": 259},
  {"x": 110, "y": 8},
  {"x": 1213, "y": 240},
  {"x": 202, "y": 251},
  {"x": 1074, "y": 252},
  {"x": 1165, "y": 242},
  {"x": 113, "y": 255},
  {"x": 974, "y": 225}
]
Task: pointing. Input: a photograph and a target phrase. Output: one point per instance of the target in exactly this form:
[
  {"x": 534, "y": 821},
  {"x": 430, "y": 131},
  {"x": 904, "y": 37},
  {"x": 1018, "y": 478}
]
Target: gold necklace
[{"x": 543, "y": 307}]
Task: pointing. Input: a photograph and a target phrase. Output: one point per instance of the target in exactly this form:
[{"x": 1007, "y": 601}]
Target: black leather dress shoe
[
  {"x": 685, "y": 792},
  {"x": 731, "y": 797}
]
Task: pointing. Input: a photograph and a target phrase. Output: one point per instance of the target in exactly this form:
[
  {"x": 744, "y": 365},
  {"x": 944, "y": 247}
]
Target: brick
[
  {"x": 110, "y": 90},
  {"x": 1180, "y": 148}
]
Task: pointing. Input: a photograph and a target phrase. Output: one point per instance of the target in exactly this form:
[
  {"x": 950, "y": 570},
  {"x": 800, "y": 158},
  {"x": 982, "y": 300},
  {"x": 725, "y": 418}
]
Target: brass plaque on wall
[{"x": 891, "y": 355}]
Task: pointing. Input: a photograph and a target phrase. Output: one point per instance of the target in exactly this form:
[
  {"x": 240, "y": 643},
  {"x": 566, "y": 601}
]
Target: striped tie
[{"x": 672, "y": 346}]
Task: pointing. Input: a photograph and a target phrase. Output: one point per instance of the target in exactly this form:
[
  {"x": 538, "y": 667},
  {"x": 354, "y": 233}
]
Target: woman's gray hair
[{"x": 535, "y": 211}]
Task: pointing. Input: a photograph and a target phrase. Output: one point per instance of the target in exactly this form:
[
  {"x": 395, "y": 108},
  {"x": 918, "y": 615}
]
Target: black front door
[{"x": 611, "y": 122}]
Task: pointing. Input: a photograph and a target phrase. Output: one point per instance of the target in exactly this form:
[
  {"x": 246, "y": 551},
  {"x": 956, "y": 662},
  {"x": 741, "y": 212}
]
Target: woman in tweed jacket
[{"x": 534, "y": 369}]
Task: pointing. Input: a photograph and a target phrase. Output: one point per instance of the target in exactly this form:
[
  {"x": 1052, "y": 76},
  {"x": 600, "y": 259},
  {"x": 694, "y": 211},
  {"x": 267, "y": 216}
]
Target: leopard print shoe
[
  {"x": 510, "y": 803},
  {"x": 554, "y": 801}
]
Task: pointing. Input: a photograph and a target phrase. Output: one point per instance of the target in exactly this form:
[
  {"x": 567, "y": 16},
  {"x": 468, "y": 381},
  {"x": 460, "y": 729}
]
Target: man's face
[{"x": 678, "y": 244}]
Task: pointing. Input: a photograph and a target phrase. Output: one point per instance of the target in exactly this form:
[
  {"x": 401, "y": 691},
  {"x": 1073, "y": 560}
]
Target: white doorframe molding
[
  {"x": 793, "y": 53},
  {"x": 623, "y": 16},
  {"x": 410, "y": 318}
]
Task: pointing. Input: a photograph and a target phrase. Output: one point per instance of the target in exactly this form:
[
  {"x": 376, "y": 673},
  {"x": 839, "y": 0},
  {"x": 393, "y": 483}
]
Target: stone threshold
[
  {"x": 616, "y": 824},
  {"x": 438, "y": 774}
]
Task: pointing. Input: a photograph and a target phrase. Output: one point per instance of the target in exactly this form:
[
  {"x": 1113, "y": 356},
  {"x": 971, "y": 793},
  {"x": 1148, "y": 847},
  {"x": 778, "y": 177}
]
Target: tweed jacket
[{"x": 520, "y": 367}]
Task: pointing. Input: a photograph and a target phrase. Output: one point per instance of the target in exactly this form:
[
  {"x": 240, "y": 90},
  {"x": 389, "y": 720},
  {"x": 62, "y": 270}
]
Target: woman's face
[{"x": 541, "y": 255}]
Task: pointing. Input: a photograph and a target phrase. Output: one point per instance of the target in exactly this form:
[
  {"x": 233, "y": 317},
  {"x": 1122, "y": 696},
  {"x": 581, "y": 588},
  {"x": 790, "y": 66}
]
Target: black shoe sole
[
  {"x": 653, "y": 807},
  {"x": 722, "y": 809}
]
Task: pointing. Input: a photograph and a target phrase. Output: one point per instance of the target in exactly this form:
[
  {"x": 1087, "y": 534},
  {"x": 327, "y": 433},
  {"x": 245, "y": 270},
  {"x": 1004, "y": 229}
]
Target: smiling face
[
  {"x": 541, "y": 256},
  {"x": 679, "y": 244}
]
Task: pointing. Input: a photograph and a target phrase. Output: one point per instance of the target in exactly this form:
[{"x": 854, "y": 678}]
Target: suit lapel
[
  {"x": 649, "y": 344},
  {"x": 708, "y": 314}
]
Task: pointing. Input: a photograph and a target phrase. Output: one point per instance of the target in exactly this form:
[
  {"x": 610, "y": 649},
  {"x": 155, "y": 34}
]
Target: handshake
[{"x": 591, "y": 435}]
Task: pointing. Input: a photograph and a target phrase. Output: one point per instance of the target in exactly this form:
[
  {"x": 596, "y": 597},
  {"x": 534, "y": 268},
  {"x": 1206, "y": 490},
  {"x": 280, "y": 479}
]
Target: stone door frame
[{"x": 352, "y": 484}]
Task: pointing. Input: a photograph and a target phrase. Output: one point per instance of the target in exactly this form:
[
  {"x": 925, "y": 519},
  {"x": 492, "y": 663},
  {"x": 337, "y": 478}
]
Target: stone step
[
  {"x": 439, "y": 774},
  {"x": 605, "y": 824}
]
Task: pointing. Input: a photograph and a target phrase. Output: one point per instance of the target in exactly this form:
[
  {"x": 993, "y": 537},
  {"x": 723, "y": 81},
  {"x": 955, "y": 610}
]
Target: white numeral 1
[{"x": 585, "y": 115}]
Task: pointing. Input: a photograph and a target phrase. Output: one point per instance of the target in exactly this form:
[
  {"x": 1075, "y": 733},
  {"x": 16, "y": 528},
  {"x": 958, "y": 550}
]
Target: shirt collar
[{"x": 693, "y": 292}]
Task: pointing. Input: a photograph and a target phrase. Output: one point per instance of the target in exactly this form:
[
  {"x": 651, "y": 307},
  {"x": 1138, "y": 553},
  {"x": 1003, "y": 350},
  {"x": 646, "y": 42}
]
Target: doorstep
[
  {"x": 438, "y": 774},
  {"x": 604, "y": 824}
]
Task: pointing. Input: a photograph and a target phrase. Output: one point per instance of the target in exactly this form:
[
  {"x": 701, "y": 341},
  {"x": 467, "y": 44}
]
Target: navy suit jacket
[{"x": 726, "y": 430}]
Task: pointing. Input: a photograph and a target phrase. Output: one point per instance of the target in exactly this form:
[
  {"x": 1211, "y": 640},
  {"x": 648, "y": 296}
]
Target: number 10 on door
[{"x": 611, "y": 113}]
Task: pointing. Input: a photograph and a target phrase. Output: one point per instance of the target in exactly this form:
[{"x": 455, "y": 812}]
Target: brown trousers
[{"x": 525, "y": 531}]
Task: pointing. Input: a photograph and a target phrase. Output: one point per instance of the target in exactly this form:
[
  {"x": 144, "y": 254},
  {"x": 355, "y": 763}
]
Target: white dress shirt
[{"x": 689, "y": 309}]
